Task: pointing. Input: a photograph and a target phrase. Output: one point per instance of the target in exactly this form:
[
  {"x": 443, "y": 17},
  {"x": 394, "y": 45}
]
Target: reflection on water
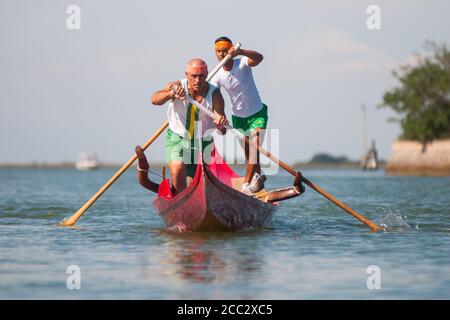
[
  {"x": 206, "y": 257},
  {"x": 189, "y": 258}
]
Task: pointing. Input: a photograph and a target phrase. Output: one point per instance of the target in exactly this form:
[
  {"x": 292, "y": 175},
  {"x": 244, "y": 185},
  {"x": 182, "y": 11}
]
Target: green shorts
[
  {"x": 257, "y": 120},
  {"x": 179, "y": 149}
]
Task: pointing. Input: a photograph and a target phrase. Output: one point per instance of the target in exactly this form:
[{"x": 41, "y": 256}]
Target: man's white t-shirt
[{"x": 241, "y": 87}]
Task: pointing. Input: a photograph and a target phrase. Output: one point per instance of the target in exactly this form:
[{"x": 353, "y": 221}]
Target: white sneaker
[
  {"x": 246, "y": 189},
  {"x": 257, "y": 183}
]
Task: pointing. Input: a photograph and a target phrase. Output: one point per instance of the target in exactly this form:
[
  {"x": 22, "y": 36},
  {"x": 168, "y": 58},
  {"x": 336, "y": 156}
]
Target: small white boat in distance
[{"x": 87, "y": 161}]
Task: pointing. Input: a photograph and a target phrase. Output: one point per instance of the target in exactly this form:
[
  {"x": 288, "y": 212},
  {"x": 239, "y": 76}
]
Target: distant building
[{"x": 87, "y": 161}]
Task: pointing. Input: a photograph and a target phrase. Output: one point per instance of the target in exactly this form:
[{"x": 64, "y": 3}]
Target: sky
[{"x": 66, "y": 91}]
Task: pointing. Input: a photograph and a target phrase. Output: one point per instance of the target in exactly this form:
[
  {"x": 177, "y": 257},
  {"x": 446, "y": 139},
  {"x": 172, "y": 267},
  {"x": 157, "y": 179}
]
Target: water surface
[{"x": 310, "y": 250}]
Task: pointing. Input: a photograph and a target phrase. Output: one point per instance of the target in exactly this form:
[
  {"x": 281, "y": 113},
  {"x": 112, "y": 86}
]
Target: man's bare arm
[
  {"x": 254, "y": 57},
  {"x": 165, "y": 94}
]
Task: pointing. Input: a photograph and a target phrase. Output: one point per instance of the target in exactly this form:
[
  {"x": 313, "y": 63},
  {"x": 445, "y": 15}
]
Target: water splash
[
  {"x": 179, "y": 227},
  {"x": 392, "y": 220}
]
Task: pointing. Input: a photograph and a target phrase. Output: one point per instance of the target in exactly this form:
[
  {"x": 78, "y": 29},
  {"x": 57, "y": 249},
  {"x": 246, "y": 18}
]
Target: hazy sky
[{"x": 66, "y": 91}]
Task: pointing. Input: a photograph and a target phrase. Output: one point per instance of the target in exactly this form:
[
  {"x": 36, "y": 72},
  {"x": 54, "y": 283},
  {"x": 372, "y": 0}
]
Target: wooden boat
[{"x": 211, "y": 203}]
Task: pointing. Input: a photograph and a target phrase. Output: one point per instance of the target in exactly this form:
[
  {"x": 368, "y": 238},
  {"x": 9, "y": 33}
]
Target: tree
[
  {"x": 423, "y": 98},
  {"x": 326, "y": 158}
]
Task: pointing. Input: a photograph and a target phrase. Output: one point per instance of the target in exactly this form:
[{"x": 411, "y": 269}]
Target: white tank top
[
  {"x": 241, "y": 87},
  {"x": 185, "y": 118}
]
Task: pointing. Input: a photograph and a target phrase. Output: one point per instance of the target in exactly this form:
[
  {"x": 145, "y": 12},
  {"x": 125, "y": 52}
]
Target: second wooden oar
[{"x": 283, "y": 165}]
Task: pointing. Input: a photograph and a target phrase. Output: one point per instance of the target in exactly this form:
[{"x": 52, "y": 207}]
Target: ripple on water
[{"x": 310, "y": 249}]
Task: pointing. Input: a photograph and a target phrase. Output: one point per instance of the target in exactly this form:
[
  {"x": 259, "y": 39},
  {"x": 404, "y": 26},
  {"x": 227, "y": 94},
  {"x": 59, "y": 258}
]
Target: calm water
[{"x": 310, "y": 250}]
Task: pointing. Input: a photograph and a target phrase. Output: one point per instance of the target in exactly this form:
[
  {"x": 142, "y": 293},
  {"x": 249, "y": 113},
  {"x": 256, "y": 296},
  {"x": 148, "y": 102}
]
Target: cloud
[
  {"x": 327, "y": 54},
  {"x": 145, "y": 63}
]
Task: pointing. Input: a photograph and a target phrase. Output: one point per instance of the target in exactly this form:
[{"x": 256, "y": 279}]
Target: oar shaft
[
  {"x": 73, "y": 219},
  {"x": 339, "y": 203},
  {"x": 283, "y": 165},
  {"x": 330, "y": 197}
]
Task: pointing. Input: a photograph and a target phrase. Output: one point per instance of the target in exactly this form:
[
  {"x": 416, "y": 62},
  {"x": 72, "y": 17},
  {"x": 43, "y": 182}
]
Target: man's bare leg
[
  {"x": 178, "y": 174},
  {"x": 252, "y": 156}
]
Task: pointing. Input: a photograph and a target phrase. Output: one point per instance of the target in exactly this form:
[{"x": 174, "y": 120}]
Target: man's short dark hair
[{"x": 223, "y": 39}]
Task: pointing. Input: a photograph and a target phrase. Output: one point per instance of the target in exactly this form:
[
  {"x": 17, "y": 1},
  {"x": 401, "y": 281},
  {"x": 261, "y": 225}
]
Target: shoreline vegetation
[
  {"x": 319, "y": 161},
  {"x": 421, "y": 101},
  {"x": 326, "y": 161}
]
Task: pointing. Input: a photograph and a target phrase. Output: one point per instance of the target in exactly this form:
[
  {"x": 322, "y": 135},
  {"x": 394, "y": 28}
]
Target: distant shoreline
[
  {"x": 344, "y": 165},
  {"x": 297, "y": 165}
]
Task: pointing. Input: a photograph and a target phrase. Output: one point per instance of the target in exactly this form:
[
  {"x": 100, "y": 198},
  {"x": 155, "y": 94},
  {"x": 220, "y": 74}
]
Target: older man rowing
[{"x": 184, "y": 119}]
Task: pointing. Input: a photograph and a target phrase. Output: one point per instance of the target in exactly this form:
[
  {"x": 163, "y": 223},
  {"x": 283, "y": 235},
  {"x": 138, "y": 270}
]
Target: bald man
[{"x": 184, "y": 120}]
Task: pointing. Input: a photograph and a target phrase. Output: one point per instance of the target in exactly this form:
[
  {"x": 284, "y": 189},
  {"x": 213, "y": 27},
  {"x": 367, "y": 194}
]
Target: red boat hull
[{"x": 210, "y": 203}]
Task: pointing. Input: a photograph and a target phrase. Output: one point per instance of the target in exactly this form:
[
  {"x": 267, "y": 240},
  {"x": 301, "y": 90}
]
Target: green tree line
[{"x": 422, "y": 100}]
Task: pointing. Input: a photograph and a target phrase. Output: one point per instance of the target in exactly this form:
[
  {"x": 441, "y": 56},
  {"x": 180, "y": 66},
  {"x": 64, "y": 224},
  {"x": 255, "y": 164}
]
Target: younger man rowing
[{"x": 249, "y": 114}]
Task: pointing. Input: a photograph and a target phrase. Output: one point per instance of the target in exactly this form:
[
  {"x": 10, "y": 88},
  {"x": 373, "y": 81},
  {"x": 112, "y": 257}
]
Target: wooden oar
[
  {"x": 283, "y": 165},
  {"x": 73, "y": 219}
]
